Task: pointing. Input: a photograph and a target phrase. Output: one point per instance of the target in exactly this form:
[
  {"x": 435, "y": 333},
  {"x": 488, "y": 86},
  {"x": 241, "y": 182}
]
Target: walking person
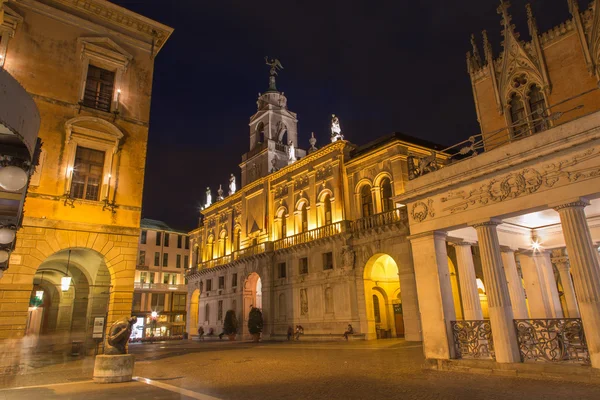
[
  {"x": 299, "y": 331},
  {"x": 290, "y": 332}
]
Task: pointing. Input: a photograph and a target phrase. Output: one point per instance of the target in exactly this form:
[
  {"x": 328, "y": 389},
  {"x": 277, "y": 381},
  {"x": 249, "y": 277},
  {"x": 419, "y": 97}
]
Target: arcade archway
[
  {"x": 70, "y": 288},
  {"x": 382, "y": 297}
]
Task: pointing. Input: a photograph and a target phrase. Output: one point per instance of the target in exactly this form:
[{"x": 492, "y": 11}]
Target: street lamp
[{"x": 19, "y": 154}]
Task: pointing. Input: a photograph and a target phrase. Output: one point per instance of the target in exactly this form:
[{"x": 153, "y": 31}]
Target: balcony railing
[
  {"x": 552, "y": 340},
  {"x": 381, "y": 219},
  {"x": 215, "y": 262},
  {"x": 158, "y": 286},
  {"x": 314, "y": 234},
  {"x": 142, "y": 267},
  {"x": 473, "y": 339},
  {"x": 533, "y": 123},
  {"x": 253, "y": 250}
]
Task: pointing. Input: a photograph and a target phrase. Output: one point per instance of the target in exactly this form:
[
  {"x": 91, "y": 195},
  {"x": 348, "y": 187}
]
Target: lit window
[
  {"x": 87, "y": 173},
  {"x": 99, "y": 88},
  {"x": 366, "y": 200},
  {"x": 517, "y": 115},
  {"x": 386, "y": 195},
  {"x": 537, "y": 108}
]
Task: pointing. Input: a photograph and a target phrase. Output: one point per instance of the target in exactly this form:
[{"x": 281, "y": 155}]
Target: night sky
[{"x": 381, "y": 66}]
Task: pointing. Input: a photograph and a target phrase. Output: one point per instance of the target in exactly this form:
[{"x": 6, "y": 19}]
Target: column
[
  {"x": 501, "y": 314},
  {"x": 539, "y": 306},
  {"x": 435, "y": 293},
  {"x": 564, "y": 269},
  {"x": 586, "y": 272},
  {"x": 550, "y": 283},
  {"x": 515, "y": 286},
  {"x": 468, "y": 282}
]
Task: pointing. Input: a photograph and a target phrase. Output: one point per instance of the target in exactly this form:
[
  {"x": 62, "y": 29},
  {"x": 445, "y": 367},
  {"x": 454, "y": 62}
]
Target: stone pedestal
[{"x": 113, "y": 368}]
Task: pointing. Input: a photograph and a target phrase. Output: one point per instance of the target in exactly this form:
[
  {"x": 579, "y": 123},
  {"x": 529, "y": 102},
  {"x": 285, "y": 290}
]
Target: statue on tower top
[
  {"x": 208, "y": 198},
  {"x": 336, "y": 130},
  {"x": 275, "y": 66}
]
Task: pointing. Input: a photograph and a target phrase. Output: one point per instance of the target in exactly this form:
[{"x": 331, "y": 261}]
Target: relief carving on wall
[
  {"x": 524, "y": 182},
  {"x": 281, "y": 191},
  {"x": 348, "y": 256},
  {"x": 301, "y": 182},
  {"x": 324, "y": 172},
  {"x": 420, "y": 210},
  {"x": 303, "y": 302}
]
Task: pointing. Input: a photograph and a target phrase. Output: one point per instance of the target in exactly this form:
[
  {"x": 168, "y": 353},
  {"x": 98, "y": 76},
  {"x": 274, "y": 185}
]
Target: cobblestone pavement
[{"x": 386, "y": 369}]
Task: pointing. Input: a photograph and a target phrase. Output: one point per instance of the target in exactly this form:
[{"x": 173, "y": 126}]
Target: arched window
[
  {"x": 207, "y": 313},
  {"x": 260, "y": 133},
  {"x": 327, "y": 210},
  {"x": 197, "y": 255},
  {"x": 537, "y": 107},
  {"x": 386, "y": 195},
  {"x": 304, "y": 218},
  {"x": 517, "y": 115},
  {"x": 366, "y": 201},
  {"x": 376, "y": 311}
]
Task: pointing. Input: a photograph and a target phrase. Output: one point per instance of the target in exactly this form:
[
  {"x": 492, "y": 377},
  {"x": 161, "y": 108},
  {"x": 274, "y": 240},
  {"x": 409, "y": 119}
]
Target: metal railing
[
  {"x": 314, "y": 234},
  {"x": 381, "y": 219},
  {"x": 98, "y": 99},
  {"x": 552, "y": 340},
  {"x": 532, "y": 123},
  {"x": 158, "y": 286},
  {"x": 473, "y": 339},
  {"x": 143, "y": 267}
]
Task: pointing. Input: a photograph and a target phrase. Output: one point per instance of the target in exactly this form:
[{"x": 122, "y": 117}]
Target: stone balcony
[
  {"x": 313, "y": 235},
  {"x": 381, "y": 221},
  {"x": 159, "y": 286}
]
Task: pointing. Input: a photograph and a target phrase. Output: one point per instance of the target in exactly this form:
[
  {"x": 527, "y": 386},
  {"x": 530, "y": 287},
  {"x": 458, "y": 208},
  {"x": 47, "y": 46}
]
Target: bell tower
[{"x": 273, "y": 133}]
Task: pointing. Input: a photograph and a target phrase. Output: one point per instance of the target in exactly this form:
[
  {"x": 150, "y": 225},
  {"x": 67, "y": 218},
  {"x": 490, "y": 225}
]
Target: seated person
[
  {"x": 200, "y": 333},
  {"x": 349, "y": 331}
]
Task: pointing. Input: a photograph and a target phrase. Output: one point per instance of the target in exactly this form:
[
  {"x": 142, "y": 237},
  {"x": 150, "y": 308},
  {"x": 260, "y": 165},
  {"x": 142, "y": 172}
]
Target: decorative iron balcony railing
[
  {"x": 381, "y": 219},
  {"x": 314, "y": 234},
  {"x": 215, "y": 262},
  {"x": 552, "y": 340},
  {"x": 473, "y": 339}
]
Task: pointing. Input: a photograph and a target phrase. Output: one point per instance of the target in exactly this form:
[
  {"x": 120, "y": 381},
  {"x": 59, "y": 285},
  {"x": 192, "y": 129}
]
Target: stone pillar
[
  {"x": 586, "y": 272},
  {"x": 515, "y": 286},
  {"x": 537, "y": 296},
  {"x": 468, "y": 282},
  {"x": 501, "y": 314},
  {"x": 550, "y": 283},
  {"x": 564, "y": 269},
  {"x": 435, "y": 293},
  {"x": 408, "y": 292}
]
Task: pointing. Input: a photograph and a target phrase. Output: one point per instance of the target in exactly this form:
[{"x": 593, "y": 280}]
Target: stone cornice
[{"x": 152, "y": 34}]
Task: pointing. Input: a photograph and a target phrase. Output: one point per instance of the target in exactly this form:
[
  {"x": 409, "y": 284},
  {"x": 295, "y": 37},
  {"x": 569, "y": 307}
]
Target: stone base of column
[{"x": 114, "y": 368}]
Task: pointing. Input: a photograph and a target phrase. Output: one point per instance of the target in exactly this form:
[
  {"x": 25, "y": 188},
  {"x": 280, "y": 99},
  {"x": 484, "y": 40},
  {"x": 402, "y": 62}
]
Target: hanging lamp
[{"x": 65, "y": 281}]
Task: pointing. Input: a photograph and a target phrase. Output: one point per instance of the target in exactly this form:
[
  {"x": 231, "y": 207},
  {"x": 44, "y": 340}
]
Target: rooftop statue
[
  {"x": 275, "y": 66},
  {"x": 336, "y": 130},
  {"x": 232, "y": 187},
  {"x": 208, "y": 198}
]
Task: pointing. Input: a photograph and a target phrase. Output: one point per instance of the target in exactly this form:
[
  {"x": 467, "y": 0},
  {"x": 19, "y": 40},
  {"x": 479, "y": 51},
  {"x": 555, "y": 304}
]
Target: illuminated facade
[
  {"x": 88, "y": 65},
  {"x": 313, "y": 239},
  {"x": 521, "y": 220},
  {"x": 159, "y": 286}
]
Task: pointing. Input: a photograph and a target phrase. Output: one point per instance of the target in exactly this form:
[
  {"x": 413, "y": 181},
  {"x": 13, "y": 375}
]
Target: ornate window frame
[
  {"x": 108, "y": 141},
  {"x": 103, "y": 52}
]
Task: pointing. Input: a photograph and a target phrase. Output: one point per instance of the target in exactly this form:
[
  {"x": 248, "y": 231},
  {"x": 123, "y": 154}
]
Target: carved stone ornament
[
  {"x": 420, "y": 210},
  {"x": 526, "y": 181},
  {"x": 348, "y": 256}
]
